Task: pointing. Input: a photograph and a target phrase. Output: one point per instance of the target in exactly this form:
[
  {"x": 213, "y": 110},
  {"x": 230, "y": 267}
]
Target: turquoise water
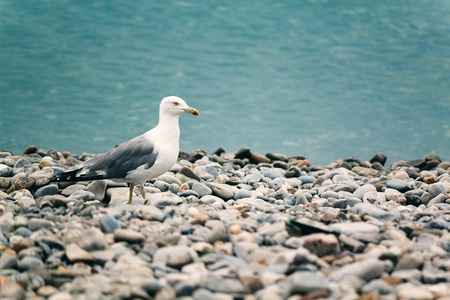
[{"x": 326, "y": 79}]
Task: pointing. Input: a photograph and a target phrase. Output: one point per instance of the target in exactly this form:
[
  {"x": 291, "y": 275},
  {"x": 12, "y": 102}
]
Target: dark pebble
[
  {"x": 50, "y": 189},
  {"x": 186, "y": 171},
  {"x": 243, "y": 153},
  {"x": 379, "y": 158}
]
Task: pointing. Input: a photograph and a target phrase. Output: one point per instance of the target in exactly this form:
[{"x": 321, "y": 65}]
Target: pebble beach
[{"x": 226, "y": 226}]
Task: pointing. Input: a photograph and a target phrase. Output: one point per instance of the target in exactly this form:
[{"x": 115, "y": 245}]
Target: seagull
[{"x": 141, "y": 158}]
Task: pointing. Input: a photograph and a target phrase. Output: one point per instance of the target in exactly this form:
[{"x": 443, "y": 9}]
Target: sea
[{"x": 326, "y": 79}]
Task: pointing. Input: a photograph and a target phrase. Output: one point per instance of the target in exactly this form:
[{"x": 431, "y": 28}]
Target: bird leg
[
  {"x": 143, "y": 192},
  {"x": 130, "y": 199}
]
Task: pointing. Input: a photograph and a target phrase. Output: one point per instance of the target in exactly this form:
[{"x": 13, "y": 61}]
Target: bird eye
[{"x": 175, "y": 104}]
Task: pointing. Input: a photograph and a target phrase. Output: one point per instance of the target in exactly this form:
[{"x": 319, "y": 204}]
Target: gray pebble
[
  {"x": 35, "y": 224},
  {"x": 398, "y": 184},
  {"x": 175, "y": 256},
  {"x": 436, "y": 188},
  {"x": 367, "y": 270},
  {"x": 98, "y": 188},
  {"x": 93, "y": 239},
  {"x": 108, "y": 224},
  {"x": 8, "y": 261},
  {"x": 46, "y": 190},
  {"x": 201, "y": 189},
  {"x": 221, "y": 191},
  {"x": 22, "y": 162}
]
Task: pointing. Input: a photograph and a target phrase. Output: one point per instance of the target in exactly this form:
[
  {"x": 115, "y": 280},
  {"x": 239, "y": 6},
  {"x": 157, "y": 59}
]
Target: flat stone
[
  {"x": 220, "y": 191},
  {"x": 128, "y": 235},
  {"x": 163, "y": 199},
  {"x": 150, "y": 213},
  {"x": 71, "y": 189},
  {"x": 376, "y": 212},
  {"x": 169, "y": 179},
  {"x": 306, "y": 282},
  {"x": 175, "y": 256},
  {"x": 76, "y": 254},
  {"x": 412, "y": 292},
  {"x": 398, "y": 184},
  {"x": 366, "y": 270},
  {"x": 353, "y": 227},
  {"x": 37, "y": 224}
]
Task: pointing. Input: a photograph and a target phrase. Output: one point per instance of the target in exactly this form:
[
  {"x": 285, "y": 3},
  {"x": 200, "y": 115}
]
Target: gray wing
[
  {"x": 120, "y": 160},
  {"x": 114, "y": 164}
]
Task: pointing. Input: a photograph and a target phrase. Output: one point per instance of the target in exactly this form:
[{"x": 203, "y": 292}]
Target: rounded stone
[
  {"x": 22, "y": 162},
  {"x": 108, "y": 224},
  {"x": 46, "y": 190},
  {"x": 359, "y": 193},
  {"x": 93, "y": 239},
  {"x": 128, "y": 235},
  {"x": 175, "y": 256},
  {"x": 201, "y": 189}
]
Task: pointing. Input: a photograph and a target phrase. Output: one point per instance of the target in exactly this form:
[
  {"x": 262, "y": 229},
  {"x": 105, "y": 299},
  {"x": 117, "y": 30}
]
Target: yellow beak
[{"x": 192, "y": 111}]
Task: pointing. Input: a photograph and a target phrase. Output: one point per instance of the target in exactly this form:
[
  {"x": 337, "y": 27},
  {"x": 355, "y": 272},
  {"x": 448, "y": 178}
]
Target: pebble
[
  {"x": 220, "y": 227},
  {"x": 128, "y": 235},
  {"x": 108, "y": 224}
]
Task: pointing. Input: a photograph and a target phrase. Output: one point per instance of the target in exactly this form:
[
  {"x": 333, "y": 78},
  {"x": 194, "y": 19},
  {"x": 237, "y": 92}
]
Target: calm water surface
[{"x": 326, "y": 79}]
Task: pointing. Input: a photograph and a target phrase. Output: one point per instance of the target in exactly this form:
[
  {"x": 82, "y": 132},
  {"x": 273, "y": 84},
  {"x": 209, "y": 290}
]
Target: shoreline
[{"x": 227, "y": 226}]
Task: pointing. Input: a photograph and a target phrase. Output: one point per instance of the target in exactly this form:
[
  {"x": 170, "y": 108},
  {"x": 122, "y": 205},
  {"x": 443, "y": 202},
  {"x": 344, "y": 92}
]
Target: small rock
[
  {"x": 108, "y": 224},
  {"x": 128, "y": 235},
  {"x": 220, "y": 191},
  {"x": 379, "y": 157},
  {"x": 201, "y": 189},
  {"x": 12, "y": 290},
  {"x": 76, "y": 254},
  {"x": 321, "y": 244},
  {"x": 163, "y": 199},
  {"x": 72, "y": 189},
  {"x": 35, "y": 224},
  {"x": 361, "y": 191},
  {"x": 367, "y": 270},
  {"x": 175, "y": 256},
  {"x": 306, "y": 282},
  {"x": 93, "y": 239},
  {"x": 46, "y": 190},
  {"x": 411, "y": 292},
  {"x": 186, "y": 171}
]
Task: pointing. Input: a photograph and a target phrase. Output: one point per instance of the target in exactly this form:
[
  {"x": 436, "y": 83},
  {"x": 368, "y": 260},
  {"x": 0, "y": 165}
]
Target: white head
[{"x": 175, "y": 106}]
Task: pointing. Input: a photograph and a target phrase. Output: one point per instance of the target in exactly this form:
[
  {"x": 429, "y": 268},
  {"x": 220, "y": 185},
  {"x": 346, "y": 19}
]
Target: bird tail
[
  {"x": 66, "y": 177},
  {"x": 75, "y": 175}
]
